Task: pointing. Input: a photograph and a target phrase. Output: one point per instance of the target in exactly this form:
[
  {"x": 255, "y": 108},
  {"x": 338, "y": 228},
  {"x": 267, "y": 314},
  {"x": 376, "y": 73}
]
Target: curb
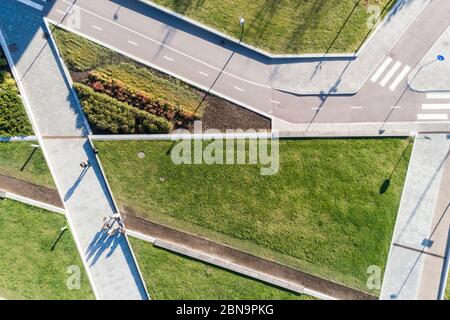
[
  {"x": 33, "y": 203},
  {"x": 238, "y": 269},
  {"x": 18, "y": 139}
]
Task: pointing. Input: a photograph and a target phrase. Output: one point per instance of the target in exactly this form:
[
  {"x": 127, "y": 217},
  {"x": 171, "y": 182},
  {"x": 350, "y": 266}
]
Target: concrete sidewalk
[
  {"x": 60, "y": 127},
  {"x": 417, "y": 251}
]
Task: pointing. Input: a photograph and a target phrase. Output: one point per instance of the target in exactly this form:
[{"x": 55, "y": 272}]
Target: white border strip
[
  {"x": 18, "y": 139},
  {"x": 32, "y": 4},
  {"x": 34, "y": 203},
  {"x": 198, "y": 255}
]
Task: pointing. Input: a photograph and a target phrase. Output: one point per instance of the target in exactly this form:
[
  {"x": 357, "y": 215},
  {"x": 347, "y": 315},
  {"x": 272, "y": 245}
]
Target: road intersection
[{"x": 246, "y": 77}]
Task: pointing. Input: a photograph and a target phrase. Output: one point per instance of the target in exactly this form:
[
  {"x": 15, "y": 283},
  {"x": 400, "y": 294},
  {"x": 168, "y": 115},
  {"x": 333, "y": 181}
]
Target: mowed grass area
[
  {"x": 287, "y": 26},
  {"x": 169, "y": 276},
  {"x": 14, "y": 156},
  {"x": 13, "y": 118},
  {"x": 322, "y": 213},
  {"x": 29, "y": 269}
]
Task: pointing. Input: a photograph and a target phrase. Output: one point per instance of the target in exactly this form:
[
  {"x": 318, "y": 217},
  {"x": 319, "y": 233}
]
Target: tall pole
[{"x": 242, "y": 23}]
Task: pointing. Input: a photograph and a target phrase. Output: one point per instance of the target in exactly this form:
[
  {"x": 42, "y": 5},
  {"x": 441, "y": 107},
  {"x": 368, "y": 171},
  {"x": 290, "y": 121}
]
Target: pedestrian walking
[{"x": 85, "y": 164}]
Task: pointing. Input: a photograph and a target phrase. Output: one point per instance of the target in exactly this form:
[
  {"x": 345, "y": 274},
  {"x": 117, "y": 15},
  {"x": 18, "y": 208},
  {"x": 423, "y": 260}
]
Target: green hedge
[
  {"x": 13, "y": 118},
  {"x": 111, "y": 116},
  {"x": 139, "y": 99}
]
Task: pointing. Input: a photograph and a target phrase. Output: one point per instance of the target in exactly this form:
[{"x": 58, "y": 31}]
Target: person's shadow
[{"x": 75, "y": 185}]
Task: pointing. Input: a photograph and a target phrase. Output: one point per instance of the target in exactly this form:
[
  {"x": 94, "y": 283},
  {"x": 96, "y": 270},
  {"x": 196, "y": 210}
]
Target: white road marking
[
  {"x": 356, "y": 107},
  {"x": 445, "y": 106},
  {"x": 239, "y": 89},
  {"x": 390, "y": 74},
  {"x": 32, "y": 4},
  {"x": 396, "y": 107},
  {"x": 166, "y": 46},
  {"x": 62, "y": 12},
  {"x": 133, "y": 43},
  {"x": 167, "y": 58},
  {"x": 276, "y": 102},
  {"x": 432, "y": 116},
  {"x": 203, "y": 74},
  {"x": 97, "y": 27},
  {"x": 316, "y": 108},
  {"x": 400, "y": 77},
  {"x": 438, "y": 95},
  {"x": 381, "y": 69}
]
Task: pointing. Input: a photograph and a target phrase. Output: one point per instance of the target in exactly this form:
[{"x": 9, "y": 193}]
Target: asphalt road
[{"x": 245, "y": 76}]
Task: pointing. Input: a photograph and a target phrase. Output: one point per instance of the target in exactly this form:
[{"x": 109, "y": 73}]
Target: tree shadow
[
  {"x": 386, "y": 184},
  {"x": 28, "y": 159}
]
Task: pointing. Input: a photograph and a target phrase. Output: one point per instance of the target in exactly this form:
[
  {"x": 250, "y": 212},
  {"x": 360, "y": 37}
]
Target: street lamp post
[{"x": 242, "y": 23}]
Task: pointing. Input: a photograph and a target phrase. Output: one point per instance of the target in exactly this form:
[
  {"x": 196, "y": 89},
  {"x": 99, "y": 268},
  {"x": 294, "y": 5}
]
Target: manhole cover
[
  {"x": 12, "y": 47},
  {"x": 141, "y": 155}
]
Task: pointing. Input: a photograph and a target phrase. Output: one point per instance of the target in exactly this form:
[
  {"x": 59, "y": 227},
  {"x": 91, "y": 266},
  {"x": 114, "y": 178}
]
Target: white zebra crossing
[
  {"x": 435, "y": 106},
  {"x": 390, "y": 73}
]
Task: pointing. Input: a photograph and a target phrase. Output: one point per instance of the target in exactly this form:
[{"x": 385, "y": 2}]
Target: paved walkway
[
  {"x": 417, "y": 251},
  {"x": 59, "y": 125},
  {"x": 430, "y": 75}
]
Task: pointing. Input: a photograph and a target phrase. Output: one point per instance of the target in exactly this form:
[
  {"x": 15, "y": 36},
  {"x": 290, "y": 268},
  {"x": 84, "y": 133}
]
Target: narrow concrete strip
[
  {"x": 32, "y": 4},
  {"x": 18, "y": 139},
  {"x": 230, "y": 266},
  {"x": 34, "y": 203}
]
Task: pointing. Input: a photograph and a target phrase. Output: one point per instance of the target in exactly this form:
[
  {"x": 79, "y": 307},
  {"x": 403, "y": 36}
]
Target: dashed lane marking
[
  {"x": 167, "y": 58},
  {"x": 166, "y": 46},
  {"x": 239, "y": 89},
  {"x": 97, "y": 27},
  {"x": 133, "y": 43}
]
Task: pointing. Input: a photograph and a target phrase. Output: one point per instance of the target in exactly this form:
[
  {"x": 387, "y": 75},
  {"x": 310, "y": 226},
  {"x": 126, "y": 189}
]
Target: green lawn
[
  {"x": 322, "y": 213},
  {"x": 287, "y": 26},
  {"x": 13, "y": 118},
  {"x": 13, "y": 156},
  {"x": 170, "y": 276},
  {"x": 28, "y": 268}
]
